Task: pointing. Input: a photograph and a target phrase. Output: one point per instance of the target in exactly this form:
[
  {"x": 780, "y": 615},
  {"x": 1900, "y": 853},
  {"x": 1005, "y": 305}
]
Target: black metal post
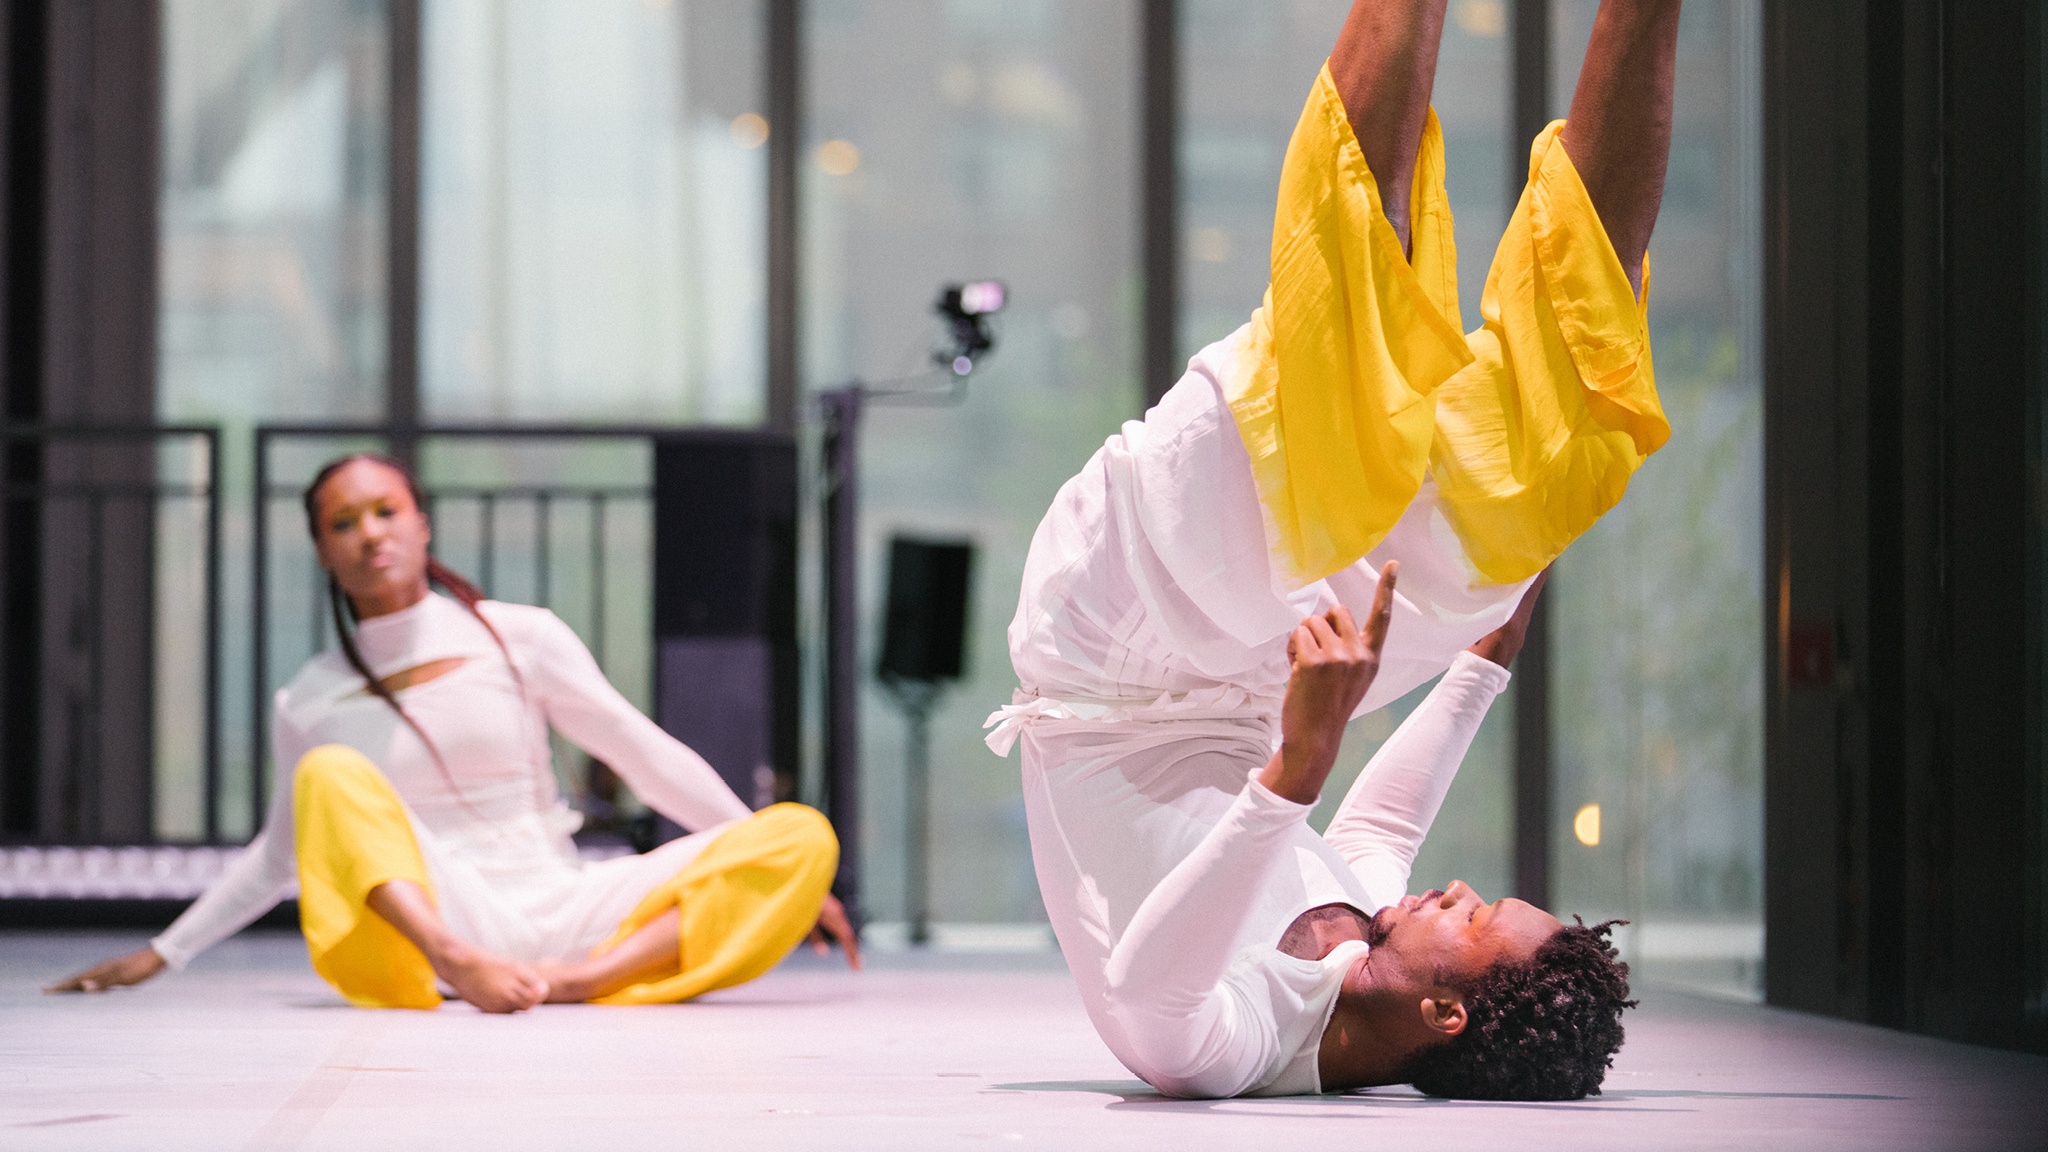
[
  {"x": 841, "y": 413},
  {"x": 259, "y": 633},
  {"x": 918, "y": 810},
  {"x": 1159, "y": 44},
  {"x": 84, "y": 815},
  {"x": 402, "y": 231},
  {"x": 785, "y": 141},
  {"x": 1530, "y": 112},
  {"x": 917, "y": 700},
  {"x": 213, "y": 734}
]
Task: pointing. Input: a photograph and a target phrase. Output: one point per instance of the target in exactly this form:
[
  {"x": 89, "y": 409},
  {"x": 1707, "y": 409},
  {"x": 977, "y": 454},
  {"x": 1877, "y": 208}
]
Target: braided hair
[
  {"x": 1545, "y": 1028},
  {"x": 344, "y": 609}
]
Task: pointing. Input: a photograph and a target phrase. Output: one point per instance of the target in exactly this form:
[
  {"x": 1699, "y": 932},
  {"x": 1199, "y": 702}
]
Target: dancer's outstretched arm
[
  {"x": 1384, "y": 818},
  {"x": 1384, "y": 66},
  {"x": 1165, "y": 973},
  {"x": 1619, "y": 131}
]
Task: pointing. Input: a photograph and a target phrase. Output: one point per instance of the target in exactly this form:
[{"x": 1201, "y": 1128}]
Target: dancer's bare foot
[
  {"x": 491, "y": 983},
  {"x": 648, "y": 953},
  {"x": 569, "y": 983}
]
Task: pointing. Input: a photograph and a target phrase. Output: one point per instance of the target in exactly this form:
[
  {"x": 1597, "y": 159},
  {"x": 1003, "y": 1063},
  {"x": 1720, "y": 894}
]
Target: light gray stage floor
[{"x": 248, "y": 1050}]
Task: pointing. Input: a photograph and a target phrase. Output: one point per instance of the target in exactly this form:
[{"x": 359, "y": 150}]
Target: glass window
[
  {"x": 270, "y": 296},
  {"x": 1658, "y": 613},
  {"x": 272, "y": 210},
  {"x": 951, "y": 140},
  {"x": 1246, "y": 70},
  {"x": 593, "y": 210}
]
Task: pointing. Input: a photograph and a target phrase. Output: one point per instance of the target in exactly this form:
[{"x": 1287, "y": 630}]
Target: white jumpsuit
[{"x": 1150, "y": 645}]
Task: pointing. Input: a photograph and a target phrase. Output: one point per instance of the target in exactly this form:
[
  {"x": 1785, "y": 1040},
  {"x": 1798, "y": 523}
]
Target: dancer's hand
[
  {"x": 133, "y": 968},
  {"x": 834, "y": 923},
  {"x": 1335, "y": 662},
  {"x": 1503, "y": 643}
]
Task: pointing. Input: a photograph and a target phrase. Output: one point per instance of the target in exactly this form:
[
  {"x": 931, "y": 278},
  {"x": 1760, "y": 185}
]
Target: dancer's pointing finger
[{"x": 1382, "y": 608}]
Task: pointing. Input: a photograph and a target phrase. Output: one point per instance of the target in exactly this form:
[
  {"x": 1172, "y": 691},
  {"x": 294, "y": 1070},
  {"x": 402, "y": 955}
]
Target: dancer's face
[
  {"x": 1445, "y": 939},
  {"x": 373, "y": 537}
]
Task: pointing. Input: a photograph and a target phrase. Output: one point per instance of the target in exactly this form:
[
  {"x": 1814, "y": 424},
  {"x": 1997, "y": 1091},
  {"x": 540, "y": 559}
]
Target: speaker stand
[
  {"x": 916, "y": 698},
  {"x": 839, "y": 412}
]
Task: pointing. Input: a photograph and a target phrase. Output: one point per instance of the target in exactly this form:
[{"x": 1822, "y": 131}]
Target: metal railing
[
  {"x": 539, "y": 514},
  {"x": 83, "y": 523},
  {"x": 545, "y": 507}
]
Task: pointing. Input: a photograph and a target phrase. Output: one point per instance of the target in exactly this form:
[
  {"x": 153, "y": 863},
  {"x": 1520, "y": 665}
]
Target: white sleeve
[
  {"x": 258, "y": 878},
  {"x": 582, "y": 705},
  {"x": 1390, "y": 807},
  {"x": 1166, "y": 973}
]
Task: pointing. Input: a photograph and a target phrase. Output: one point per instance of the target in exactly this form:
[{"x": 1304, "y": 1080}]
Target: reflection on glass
[
  {"x": 593, "y": 210},
  {"x": 1658, "y": 629},
  {"x": 271, "y": 282},
  {"x": 1245, "y": 72},
  {"x": 955, "y": 140},
  {"x": 272, "y": 207}
]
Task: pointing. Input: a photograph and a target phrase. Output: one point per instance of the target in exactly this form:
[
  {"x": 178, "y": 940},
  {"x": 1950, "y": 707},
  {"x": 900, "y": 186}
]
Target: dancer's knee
[
  {"x": 338, "y": 787},
  {"x": 794, "y": 840},
  {"x": 804, "y": 829},
  {"x": 332, "y": 766}
]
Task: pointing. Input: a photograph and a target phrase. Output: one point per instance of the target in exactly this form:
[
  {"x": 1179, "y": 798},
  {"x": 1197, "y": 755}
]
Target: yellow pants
[
  {"x": 745, "y": 901},
  {"x": 1362, "y": 380}
]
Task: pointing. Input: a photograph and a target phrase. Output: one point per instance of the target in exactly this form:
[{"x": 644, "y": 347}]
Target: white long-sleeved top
[
  {"x": 496, "y": 811},
  {"x": 1150, "y": 645},
  {"x": 1170, "y": 875}
]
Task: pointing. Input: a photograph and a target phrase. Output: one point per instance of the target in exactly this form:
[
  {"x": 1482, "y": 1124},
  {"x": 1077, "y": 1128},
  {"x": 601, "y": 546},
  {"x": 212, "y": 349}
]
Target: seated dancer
[
  {"x": 417, "y": 806},
  {"x": 1185, "y": 636}
]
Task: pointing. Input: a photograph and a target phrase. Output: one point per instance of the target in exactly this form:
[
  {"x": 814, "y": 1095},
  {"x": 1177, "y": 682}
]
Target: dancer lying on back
[
  {"x": 1185, "y": 636},
  {"x": 417, "y": 807}
]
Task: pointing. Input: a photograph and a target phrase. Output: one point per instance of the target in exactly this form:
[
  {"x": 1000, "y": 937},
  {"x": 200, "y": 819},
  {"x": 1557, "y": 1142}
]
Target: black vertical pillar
[
  {"x": 785, "y": 256},
  {"x": 840, "y": 416},
  {"x": 98, "y": 312},
  {"x": 1970, "y": 820},
  {"x": 402, "y": 230},
  {"x": 24, "y": 48},
  {"x": 2034, "y": 888},
  {"x": 1530, "y": 112},
  {"x": 1900, "y": 506},
  {"x": 1159, "y": 179}
]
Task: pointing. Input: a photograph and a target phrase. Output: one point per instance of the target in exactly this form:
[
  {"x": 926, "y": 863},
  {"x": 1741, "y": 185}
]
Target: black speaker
[
  {"x": 726, "y": 665},
  {"x": 924, "y": 633}
]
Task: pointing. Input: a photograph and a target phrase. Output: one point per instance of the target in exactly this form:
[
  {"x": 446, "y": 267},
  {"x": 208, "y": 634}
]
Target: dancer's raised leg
[
  {"x": 1384, "y": 65},
  {"x": 1619, "y": 133}
]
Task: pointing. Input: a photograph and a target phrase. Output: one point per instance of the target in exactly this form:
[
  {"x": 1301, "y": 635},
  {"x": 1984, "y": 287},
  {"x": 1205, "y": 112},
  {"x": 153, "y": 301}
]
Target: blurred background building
[{"x": 1792, "y": 683}]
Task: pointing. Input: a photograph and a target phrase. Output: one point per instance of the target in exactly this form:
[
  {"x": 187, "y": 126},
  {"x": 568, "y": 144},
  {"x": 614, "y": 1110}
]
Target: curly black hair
[{"x": 1546, "y": 1028}]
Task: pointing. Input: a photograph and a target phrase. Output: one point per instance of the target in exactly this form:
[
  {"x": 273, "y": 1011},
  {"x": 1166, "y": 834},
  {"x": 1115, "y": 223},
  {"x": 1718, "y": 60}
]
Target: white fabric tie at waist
[{"x": 1026, "y": 708}]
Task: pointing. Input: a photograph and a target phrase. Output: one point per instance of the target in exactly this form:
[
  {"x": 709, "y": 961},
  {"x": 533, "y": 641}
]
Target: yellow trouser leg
[
  {"x": 1538, "y": 437},
  {"x": 1337, "y": 409},
  {"x": 1360, "y": 381},
  {"x": 745, "y": 902},
  {"x": 352, "y": 836}
]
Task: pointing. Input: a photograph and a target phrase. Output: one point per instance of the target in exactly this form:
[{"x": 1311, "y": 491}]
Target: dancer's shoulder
[
  {"x": 527, "y": 626},
  {"x": 317, "y": 682}
]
